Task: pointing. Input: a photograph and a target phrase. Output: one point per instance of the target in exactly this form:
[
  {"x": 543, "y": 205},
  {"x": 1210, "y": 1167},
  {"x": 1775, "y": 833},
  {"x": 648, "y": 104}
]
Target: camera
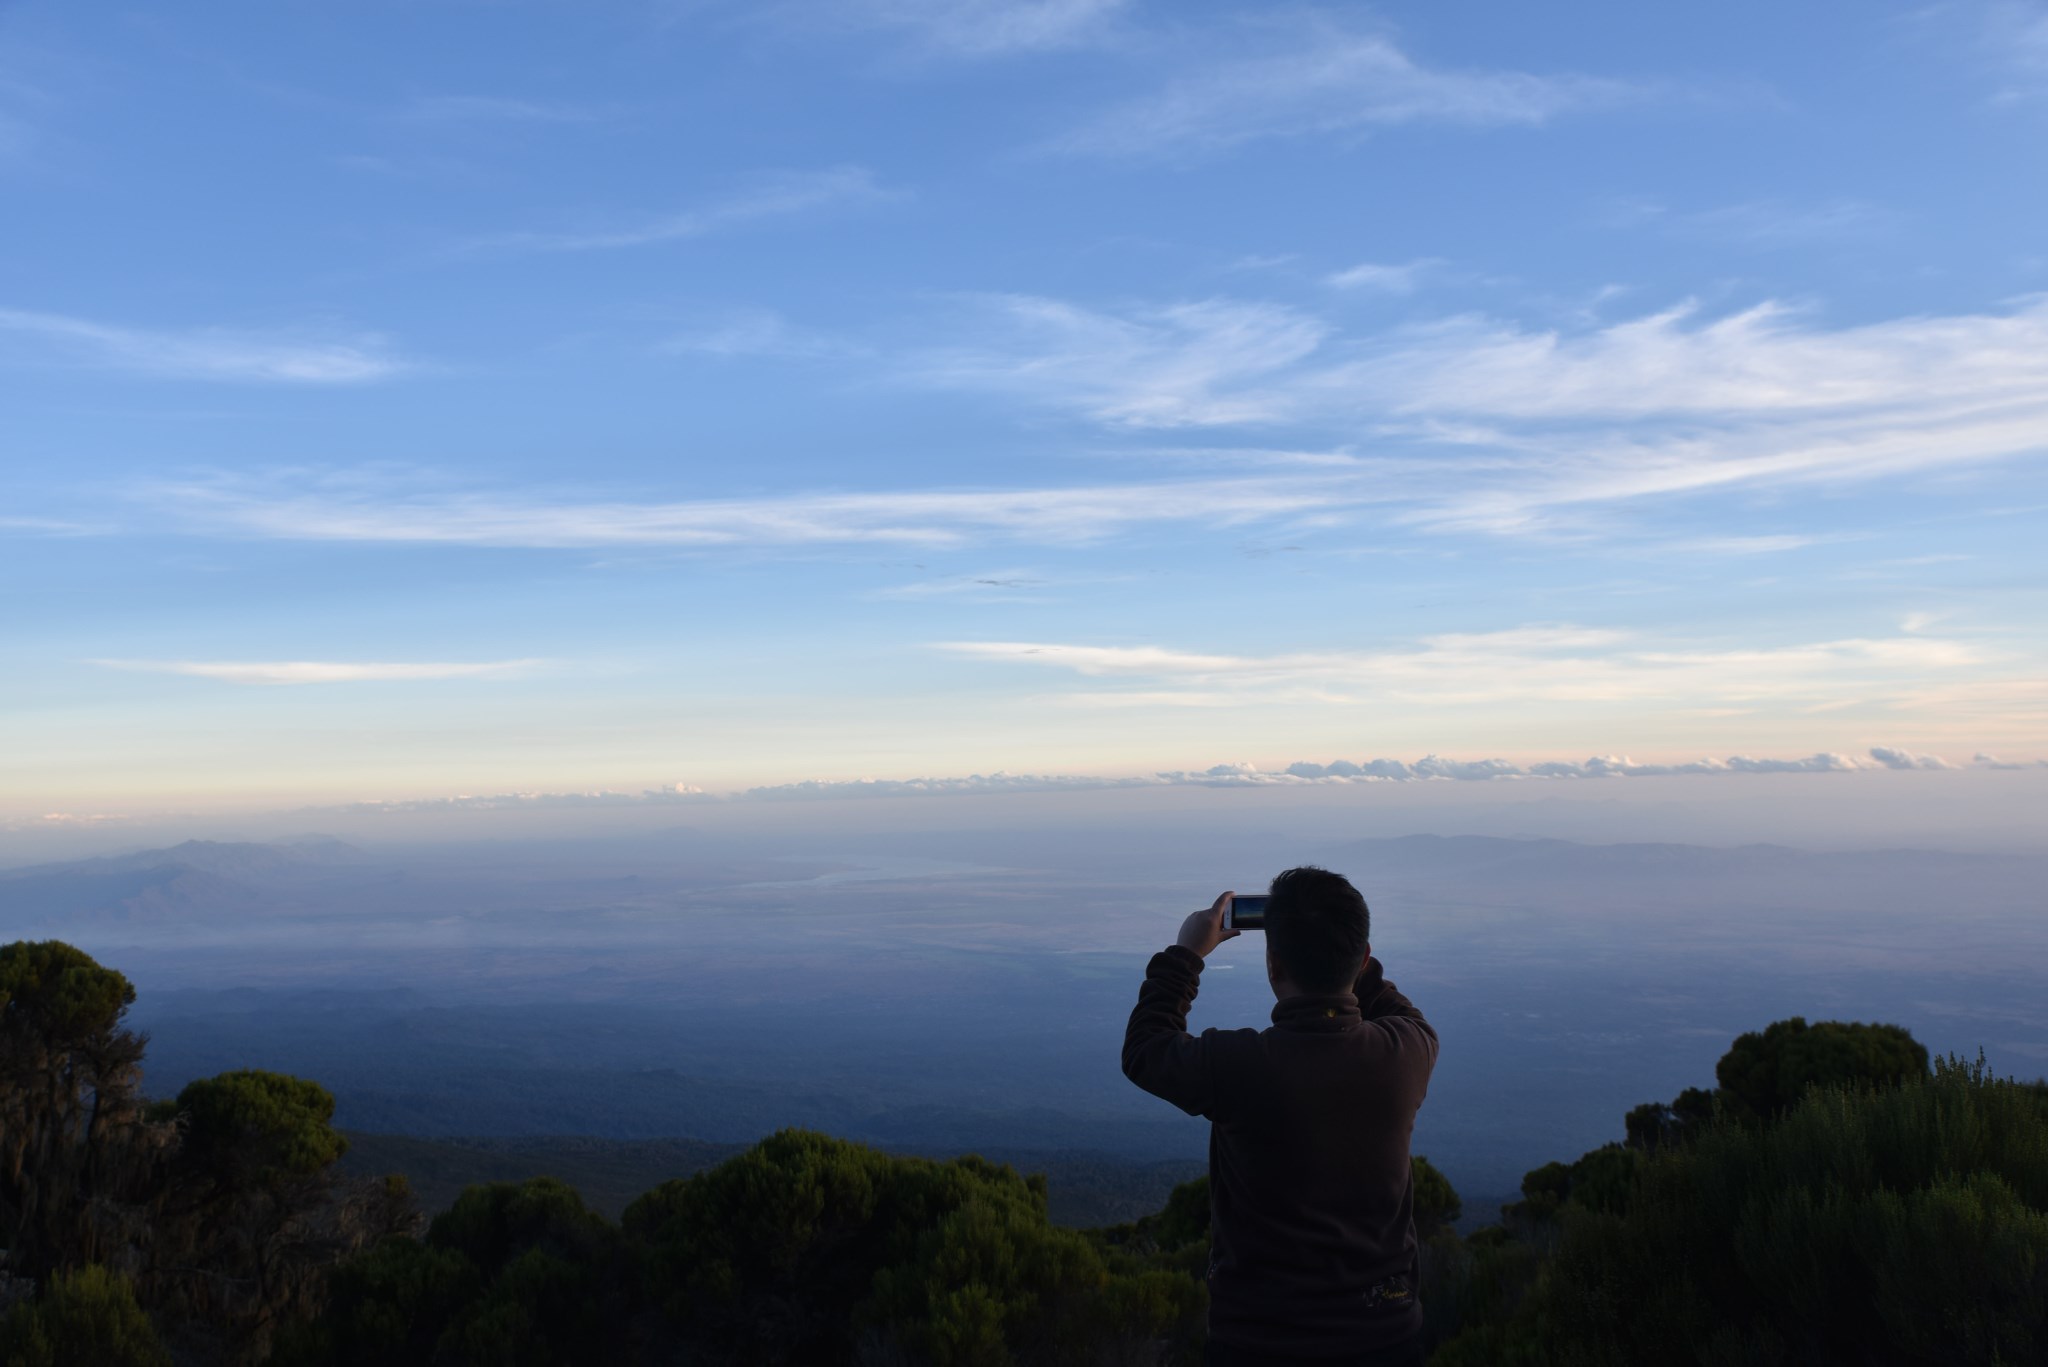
[{"x": 1246, "y": 911}]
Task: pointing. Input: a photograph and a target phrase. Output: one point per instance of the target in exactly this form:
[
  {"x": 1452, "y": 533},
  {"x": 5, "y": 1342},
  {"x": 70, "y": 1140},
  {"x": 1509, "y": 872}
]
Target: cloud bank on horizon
[
  {"x": 1019, "y": 385},
  {"x": 1302, "y": 773}
]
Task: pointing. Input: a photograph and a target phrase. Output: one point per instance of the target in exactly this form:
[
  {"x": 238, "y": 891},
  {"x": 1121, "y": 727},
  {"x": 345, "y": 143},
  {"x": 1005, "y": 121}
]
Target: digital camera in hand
[{"x": 1245, "y": 912}]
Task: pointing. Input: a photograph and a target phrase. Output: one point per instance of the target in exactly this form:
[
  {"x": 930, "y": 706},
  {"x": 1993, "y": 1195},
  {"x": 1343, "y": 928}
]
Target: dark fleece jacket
[{"x": 1312, "y": 1229}]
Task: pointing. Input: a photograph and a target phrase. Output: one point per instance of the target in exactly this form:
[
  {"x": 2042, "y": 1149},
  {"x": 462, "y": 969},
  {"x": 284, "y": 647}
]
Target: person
[{"x": 1312, "y": 1248}]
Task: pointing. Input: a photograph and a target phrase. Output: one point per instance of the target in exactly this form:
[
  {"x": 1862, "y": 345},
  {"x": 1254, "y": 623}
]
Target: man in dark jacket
[{"x": 1312, "y": 1232}]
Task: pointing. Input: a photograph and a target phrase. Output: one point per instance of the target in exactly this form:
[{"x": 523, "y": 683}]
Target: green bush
[
  {"x": 390, "y": 1305},
  {"x": 63, "y": 989},
  {"x": 805, "y": 1247},
  {"x": 1899, "y": 1224},
  {"x": 256, "y": 1126},
  {"x": 1436, "y": 1201},
  {"x": 1601, "y": 1180},
  {"x": 515, "y": 1274},
  {"x": 1764, "y": 1074},
  {"x": 86, "y": 1316}
]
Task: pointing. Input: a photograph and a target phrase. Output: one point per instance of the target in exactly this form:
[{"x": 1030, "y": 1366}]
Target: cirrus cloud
[
  {"x": 276, "y": 673},
  {"x": 373, "y": 508},
  {"x": 1539, "y": 663},
  {"x": 206, "y": 353},
  {"x": 768, "y": 197},
  {"x": 1529, "y": 425},
  {"x": 1319, "y": 78}
]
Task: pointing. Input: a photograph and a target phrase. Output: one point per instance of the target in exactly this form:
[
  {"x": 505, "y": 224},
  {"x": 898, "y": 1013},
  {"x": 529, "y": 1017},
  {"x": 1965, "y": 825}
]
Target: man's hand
[{"x": 1203, "y": 930}]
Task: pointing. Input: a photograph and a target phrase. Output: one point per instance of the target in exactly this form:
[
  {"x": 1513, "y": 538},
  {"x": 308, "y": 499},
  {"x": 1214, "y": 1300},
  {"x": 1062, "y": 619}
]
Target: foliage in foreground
[
  {"x": 803, "y": 1249},
  {"x": 1863, "y": 1224},
  {"x": 1830, "y": 1202},
  {"x": 210, "y": 1220},
  {"x": 85, "y": 1316}
]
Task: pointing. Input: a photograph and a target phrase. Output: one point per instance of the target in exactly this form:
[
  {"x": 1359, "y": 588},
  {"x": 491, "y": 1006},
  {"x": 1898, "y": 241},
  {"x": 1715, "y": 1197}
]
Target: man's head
[{"x": 1318, "y": 932}]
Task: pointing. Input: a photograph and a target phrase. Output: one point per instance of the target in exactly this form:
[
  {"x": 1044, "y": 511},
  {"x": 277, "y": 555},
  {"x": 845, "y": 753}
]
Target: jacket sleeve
[
  {"x": 1379, "y": 1000},
  {"x": 1159, "y": 1054}
]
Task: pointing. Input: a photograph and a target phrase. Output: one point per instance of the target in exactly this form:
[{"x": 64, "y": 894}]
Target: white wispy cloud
[
  {"x": 274, "y": 673},
  {"x": 1767, "y": 544},
  {"x": 2016, "y": 34},
  {"x": 1223, "y": 362},
  {"x": 769, "y": 197},
  {"x": 989, "y": 586},
  {"x": 1667, "y": 404},
  {"x": 1205, "y": 363},
  {"x": 204, "y": 353},
  {"x": 763, "y": 333},
  {"x": 1320, "y": 78},
  {"x": 1763, "y": 360},
  {"x": 1467, "y": 424},
  {"x": 49, "y": 820},
  {"x": 54, "y": 526},
  {"x": 1764, "y": 223},
  {"x": 367, "y": 509},
  {"x": 1404, "y": 278},
  {"x": 979, "y": 28},
  {"x": 1661, "y": 406},
  {"x": 1541, "y": 663}
]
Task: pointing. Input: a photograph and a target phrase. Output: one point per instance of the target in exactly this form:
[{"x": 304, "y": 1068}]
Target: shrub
[
  {"x": 1436, "y": 1201},
  {"x": 258, "y": 1127},
  {"x": 220, "y": 1204},
  {"x": 1764, "y": 1074},
  {"x": 1895, "y": 1224},
  {"x": 513, "y": 1274},
  {"x": 86, "y": 1316},
  {"x": 810, "y": 1249}
]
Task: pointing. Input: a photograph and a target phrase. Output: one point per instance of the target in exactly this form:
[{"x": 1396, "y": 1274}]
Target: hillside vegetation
[
  {"x": 1083, "y": 1188},
  {"x": 1830, "y": 1201}
]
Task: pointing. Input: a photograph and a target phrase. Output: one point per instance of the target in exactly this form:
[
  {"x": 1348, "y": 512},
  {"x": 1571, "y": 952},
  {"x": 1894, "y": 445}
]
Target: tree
[
  {"x": 1436, "y": 1201},
  {"x": 1653, "y": 1124},
  {"x": 249, "y": 1216},
  {"x": 1765, "y": 1074},
  {"x": 221, "y": 1205},
  {"x": 258, "y": 1129},
  {"x": 68, "y": 1108}
]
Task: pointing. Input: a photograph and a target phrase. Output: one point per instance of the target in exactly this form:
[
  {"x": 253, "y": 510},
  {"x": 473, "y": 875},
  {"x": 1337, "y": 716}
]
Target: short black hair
[{"x": 1318, "y": 927}]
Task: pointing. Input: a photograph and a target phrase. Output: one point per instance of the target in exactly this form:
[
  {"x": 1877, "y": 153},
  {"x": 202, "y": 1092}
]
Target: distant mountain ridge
[
  {"x": 226, "y": 858},
  {"x": 199, "y": 879}
]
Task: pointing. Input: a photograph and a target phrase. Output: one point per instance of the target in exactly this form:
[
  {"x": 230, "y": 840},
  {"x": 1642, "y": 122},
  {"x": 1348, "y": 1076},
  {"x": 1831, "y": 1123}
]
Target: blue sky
[{"x": 402, "y": 400}]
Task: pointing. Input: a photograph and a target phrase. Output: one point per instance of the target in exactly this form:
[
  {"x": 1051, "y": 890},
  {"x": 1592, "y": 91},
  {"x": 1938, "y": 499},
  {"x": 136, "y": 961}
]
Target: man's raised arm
[
  {"x": 1379, "y": 999},
  {"x": 1159, "y": 1054}
]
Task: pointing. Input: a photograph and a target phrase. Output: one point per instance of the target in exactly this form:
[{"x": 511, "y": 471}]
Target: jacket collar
[{"x": 1329, "y": 1011}]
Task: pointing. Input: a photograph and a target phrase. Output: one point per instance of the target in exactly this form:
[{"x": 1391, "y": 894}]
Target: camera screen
[{"x": 1248, "y": 912}]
